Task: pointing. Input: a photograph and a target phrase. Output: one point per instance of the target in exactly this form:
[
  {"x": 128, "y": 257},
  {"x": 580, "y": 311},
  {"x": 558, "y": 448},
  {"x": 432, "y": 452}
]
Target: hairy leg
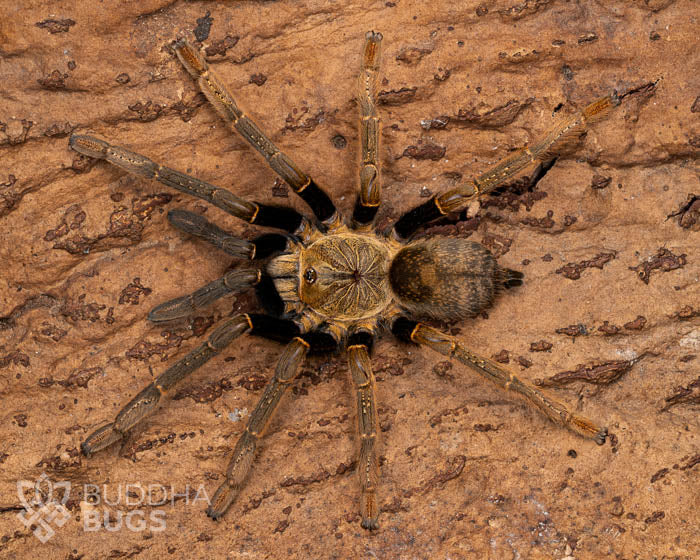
[
  {"x": 146, "y": 401},
  {"x": 370, "y": 187},
  {"x": 367, "y": 427},
  {"x": 559, "y": 413},
  {"x": 197, "y": 225},
  {"x": 224, "y": 103},
  {"x": 557, "y": 140},
  {"x": 244, "y": 452},
  {"x": 232, "y": 282},
  {"x": 252, "y": 212}
]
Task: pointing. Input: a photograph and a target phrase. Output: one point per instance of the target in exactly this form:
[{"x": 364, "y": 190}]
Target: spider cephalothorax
[
  {"x": 327, "y": 285},
  {"x": 341, "y": 277}
]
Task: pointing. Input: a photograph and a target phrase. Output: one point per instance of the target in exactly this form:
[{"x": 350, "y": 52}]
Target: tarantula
[{"x": 326, "y": 285}]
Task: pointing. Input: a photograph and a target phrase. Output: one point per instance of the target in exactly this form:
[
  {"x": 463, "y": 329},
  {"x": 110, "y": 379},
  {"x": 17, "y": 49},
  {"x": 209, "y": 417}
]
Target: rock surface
[{"x": 608, "y": 318}]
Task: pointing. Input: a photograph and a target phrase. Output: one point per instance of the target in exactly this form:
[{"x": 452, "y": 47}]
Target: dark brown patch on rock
[
  {"x": 572, "y": 271},
  {"x": 54, "y": 26},
  {"x": 493, "y": 118},
  {"x": 425, "y": 150},
  {"x": 596, "y": 373},
  {"x": 573, "y": 330},
  {"x": 637, "y": 324},
  {"x": 397, "y": 96},
  {"x": 220, "y": 47},
  {"x": 258, "y": 79},
  {"x": 664, "y": 260},
  {"x": 412, "y": 55},
  {"x": 540, "y": 346},
  {"x": 608, "y": 329},
  {"x": 54, "y": 81},
  {"x": 690, "y": 394},
  {"x": 600, "y": 181},
  {"x": 205, "y": 392},
  {"x": 689, "y": 213},
  {"x": 133, "y": 291}
]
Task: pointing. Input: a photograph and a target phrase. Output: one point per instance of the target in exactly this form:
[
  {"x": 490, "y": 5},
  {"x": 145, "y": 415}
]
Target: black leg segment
[
  {"x": 420, "y": 215},
  {"x": 403, "y": 328},
  {"x": 269, "y": 297},
  {"x": 361, "y": 338},
  {"x": 320, "y": 342},
  {"x": 285, "y": 330},
  {"x": 277, "y": 217},
  {"x": 269, "y": 244},
  {"x": 280, "y": 330},
  {"x": 319, "y": 202},
  {"x": 363, "y": 214}
]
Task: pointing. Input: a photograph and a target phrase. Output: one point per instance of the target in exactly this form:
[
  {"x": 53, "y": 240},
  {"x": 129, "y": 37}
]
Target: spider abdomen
[{"x": 445, "y": 278}]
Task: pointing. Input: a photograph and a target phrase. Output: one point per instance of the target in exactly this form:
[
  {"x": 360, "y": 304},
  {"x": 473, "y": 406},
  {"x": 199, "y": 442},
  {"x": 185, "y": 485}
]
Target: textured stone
[{"x": 87, "y": 251}]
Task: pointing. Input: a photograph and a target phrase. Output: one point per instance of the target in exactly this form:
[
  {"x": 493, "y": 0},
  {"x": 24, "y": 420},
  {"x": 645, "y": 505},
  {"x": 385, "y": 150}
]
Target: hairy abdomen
[{"x": 446, "y": 278}]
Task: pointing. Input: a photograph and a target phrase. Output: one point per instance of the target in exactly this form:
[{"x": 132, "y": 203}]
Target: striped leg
[
  {"x": 285, "y": 373},
  {"x": 559, "y": 413},
  {"x": 260, "y": 248},
  {"x": 252, "y": 212},
  {"x": 217, "y": 94},
  {"x": 146, "y": 401},
  {"x": 370, "y": 187},
  {"x": 558, "y": 139},
  {"x": 232, "y": 282},
  {"x": 368, "y": 428},
  {"x": 244, "y": 452}
]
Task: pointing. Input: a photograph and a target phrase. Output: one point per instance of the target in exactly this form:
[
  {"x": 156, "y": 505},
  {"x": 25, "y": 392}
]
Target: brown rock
[{"x": 484, "y": 475}]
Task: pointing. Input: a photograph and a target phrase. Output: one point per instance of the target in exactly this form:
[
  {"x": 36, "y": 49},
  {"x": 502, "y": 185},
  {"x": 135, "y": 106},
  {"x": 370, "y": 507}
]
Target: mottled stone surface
[{"x": 608, "y": 318}]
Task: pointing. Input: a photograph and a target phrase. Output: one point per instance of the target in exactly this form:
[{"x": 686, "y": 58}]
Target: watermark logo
[
  {"x": 134, "y": 506},
  {"x": 131, "y": 506},
  {"x": 43, "y": 509}
]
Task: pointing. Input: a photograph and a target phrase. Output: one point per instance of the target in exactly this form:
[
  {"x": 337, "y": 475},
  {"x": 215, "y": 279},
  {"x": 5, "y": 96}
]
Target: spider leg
[
  {"x": 412, "y": 331},
  {"x": 252, "y": 212},
  {"x": 196, "y": 225},
  {"x": 217, "y": 94},
  {"x": 232, "y": 282},
  {"x": 558, "y": 139},
  {"x": 147, "y": 400},
  {"x": 367, "y": 427},
  {"x": 370, "y": 187},
  {"x": 286, "y": 372}
]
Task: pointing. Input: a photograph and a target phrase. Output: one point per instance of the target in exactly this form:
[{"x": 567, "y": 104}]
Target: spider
[{"x": 327, "y": 284}]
